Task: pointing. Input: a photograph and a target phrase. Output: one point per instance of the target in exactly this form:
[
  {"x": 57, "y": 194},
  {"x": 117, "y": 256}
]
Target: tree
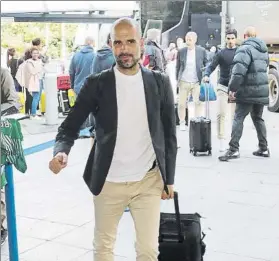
[{"x": 20, "y": 35}]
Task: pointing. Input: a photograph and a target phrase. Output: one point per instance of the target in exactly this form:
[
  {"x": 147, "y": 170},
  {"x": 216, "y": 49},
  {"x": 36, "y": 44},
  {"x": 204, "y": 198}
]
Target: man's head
[
  {"x": 231, "y": 36},
  {"x": 153, "y": 35},
  {"x": 108, "y": 41},
  {"x": 89, "y": 40},
  {"x": 213, "y": 49},
  {"x": 11, "y": 52},
  {"x": 191, "y": 39},
  {"x": 37, "y": 43},
  {"x": 180, "y": 43},
  {"x": 250, "y": 31},
  {"x": 172, "y": 46},
  {"x": 126, "y": 42}
]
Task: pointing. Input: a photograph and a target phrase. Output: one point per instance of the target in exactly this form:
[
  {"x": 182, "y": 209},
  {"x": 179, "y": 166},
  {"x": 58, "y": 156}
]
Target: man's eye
[
  {"x": 131, "y": 41},
  {"x": 117, "y": 43}
]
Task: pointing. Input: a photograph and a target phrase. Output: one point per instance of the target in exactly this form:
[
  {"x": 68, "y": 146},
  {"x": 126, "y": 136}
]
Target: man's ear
[{"x": 110, "y": 43}]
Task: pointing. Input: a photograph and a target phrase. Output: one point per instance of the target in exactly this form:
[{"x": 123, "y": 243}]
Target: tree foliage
[{"x": 20, "y": 35}]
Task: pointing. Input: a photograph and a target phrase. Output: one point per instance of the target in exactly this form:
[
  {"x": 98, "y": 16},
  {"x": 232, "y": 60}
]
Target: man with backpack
[{"x": 153, "y": 54}]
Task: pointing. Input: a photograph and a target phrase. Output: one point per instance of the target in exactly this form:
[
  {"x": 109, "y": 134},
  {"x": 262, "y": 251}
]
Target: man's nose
[{"x": 123, "y": 47}]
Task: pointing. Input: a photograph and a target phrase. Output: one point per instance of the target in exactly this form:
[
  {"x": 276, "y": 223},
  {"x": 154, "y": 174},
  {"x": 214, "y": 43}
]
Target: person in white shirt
[
  {"x": 132, "y": 162},
  {"x": 191, "y": 61}
]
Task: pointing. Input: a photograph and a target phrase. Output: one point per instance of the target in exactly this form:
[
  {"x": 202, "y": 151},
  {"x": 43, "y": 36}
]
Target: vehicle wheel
[{"x": 273, "y": 78}]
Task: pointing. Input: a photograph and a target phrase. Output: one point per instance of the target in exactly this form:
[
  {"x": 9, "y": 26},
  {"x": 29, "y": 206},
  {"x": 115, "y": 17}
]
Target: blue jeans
[{"x": 35, "y": 102}]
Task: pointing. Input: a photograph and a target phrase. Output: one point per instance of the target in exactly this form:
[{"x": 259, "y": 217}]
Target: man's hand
[
  {"x": 170, "y": 195},
  {"x": 231, "y": 96},
  {"x": 205, "y": 79},
  {"x": 58, "y": 163}
]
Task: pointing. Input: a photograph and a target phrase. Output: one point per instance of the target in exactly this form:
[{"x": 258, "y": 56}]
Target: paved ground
[{"x": 239, "y": 201}]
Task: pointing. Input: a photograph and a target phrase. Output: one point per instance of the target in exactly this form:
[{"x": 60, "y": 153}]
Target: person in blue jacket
[
  {"x": 104, "y": 58},
  {"x": 81, "y": 64},
  {"x": 80, "y": 69}
]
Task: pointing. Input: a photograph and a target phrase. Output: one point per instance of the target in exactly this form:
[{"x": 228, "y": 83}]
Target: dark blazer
[
  {"x": 201, "y": 62},
  {"x": 98, "y": 96}
]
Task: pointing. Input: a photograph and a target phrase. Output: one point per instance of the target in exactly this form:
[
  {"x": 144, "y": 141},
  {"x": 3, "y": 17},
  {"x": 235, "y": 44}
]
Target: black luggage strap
[{"x": 177, "y": 217}]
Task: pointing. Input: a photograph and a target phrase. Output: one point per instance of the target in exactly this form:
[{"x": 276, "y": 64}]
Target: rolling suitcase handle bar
[
  {"x": 177, "y": 217},
  {"x": 207, "y": 100}
]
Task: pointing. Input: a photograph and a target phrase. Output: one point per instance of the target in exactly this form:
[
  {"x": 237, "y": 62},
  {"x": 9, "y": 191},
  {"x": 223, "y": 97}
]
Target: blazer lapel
[
  {"x": 197, "y": 60},
  {"x": 185, "y": 54},
  {"x": 109, "y": 83},
  {"x": 151, "y": 95}
]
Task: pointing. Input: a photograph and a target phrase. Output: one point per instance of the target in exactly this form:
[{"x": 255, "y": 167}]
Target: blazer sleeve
[
  {"x": 86, "y": 102},
  {"x": 178, "y": 64},
  {"x": 169, "y": 126}
]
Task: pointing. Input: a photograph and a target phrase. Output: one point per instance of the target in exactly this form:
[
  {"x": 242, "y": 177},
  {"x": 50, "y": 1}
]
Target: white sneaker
[
  {"x": 36, "y": 117},
  {"x": 223, "y": 145}
]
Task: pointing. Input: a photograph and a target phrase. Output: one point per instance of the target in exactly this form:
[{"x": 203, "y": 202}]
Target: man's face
[
  {"x": 190, "y": 41},
  {"x": 231, "y": 40},
  {"x": 126, "y": 46}
]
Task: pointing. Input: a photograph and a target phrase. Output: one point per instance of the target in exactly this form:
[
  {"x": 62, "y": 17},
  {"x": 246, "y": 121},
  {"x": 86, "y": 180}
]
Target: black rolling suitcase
[
  {"x": 200, "y": 132},
  {"x": 180, "y": 236}
]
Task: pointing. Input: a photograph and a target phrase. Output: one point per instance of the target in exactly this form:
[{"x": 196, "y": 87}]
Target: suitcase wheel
[
  {"x": 209, "y": 153},
  {"x": 194, "y": 153}
]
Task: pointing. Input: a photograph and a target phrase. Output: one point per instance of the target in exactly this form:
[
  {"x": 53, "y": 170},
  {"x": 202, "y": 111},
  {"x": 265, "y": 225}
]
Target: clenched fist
[
  {"x": 58, "y": 163},
  {"x": 169, "y": 195}
]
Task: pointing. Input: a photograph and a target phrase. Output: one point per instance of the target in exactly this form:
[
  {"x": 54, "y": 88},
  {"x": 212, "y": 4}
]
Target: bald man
[
  {"x": 248, "y": 87},
  {"x": 132, "y": 162},
  {"x": 81, "y": 64},
  {"x": 191, "y": 60}
]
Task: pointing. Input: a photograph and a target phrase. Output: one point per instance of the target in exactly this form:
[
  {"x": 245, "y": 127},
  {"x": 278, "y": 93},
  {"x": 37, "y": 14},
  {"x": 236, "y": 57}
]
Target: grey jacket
[
  {"x": 9, "y": 96},
  {"x": 153, "y": 50},
  {"x": 201, "y": 62}
]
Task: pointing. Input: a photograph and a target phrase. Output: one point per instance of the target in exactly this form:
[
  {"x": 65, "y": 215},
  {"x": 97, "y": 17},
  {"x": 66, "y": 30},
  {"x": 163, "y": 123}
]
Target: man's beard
[{"x": 127, "y": 65}]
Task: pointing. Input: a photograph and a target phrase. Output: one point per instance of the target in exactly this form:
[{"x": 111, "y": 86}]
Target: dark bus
[{"x": 180, "y": 17}]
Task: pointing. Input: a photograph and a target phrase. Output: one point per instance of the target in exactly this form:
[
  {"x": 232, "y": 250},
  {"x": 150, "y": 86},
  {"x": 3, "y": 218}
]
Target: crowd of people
[
  {"x": 133, "y": 157},
  {"x": 126, "y": 93}
]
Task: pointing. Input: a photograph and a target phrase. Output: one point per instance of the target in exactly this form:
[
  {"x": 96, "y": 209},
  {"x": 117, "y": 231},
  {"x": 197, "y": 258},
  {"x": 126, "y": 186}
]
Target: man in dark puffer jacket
[{"x": 248, "y": 86}]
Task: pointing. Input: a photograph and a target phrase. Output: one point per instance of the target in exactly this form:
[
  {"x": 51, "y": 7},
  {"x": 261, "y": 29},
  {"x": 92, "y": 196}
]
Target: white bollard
[{"x": 50, "y": 85}]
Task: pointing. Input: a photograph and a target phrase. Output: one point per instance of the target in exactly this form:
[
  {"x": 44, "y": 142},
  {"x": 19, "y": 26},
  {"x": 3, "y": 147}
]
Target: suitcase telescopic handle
[{"x": 177, "y": 217}]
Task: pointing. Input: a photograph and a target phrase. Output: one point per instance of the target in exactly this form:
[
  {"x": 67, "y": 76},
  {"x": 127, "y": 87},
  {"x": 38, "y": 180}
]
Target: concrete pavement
[{"x": 239, "y": 202}]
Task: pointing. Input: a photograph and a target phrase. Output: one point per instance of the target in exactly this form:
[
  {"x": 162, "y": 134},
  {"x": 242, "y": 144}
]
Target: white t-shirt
[
  {"x": 190, "y": 72},
  {"x": 134, "y": 153}
]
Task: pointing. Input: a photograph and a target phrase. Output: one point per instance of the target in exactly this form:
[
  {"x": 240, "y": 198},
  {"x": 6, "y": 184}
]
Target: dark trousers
[
  {"x": 28, "y": 102},
  {"x": 256, "y": 112}
]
